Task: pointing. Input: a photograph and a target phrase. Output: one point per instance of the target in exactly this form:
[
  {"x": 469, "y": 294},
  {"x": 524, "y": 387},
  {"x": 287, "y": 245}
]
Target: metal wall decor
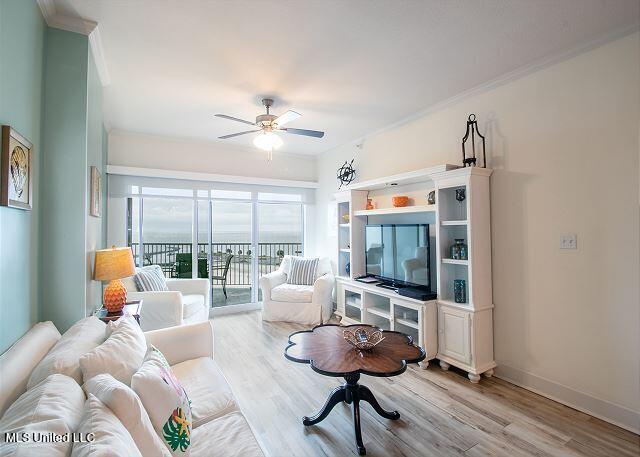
[
  {"x": 472, "y": 127},
  {"x": 346, "y": 174}
]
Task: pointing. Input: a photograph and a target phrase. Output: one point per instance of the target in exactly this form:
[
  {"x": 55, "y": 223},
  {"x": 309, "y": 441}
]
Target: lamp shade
[{"x": 114, "y": 263}]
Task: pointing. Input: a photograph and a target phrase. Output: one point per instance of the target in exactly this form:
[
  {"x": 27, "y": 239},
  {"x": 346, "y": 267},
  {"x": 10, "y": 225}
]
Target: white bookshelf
[{"x": 459, "y": 334}]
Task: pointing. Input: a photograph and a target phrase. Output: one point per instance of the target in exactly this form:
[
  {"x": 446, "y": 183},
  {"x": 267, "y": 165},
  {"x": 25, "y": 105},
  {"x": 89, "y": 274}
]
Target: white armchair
[
  {"x": 309, "y": 305},
  {"x": 186, "y": 302}
]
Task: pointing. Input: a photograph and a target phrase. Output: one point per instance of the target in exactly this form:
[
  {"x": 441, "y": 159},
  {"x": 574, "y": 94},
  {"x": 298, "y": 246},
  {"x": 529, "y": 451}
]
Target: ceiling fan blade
[
  {"x": 224, "y": 137},
  {"x": 231, "y": 118},
  {"x": 287, "y": 117},
  {"x": 313, "y": 133}
]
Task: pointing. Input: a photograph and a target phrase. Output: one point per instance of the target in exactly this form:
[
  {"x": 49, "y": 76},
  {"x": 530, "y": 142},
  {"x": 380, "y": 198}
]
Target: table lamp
[{"x": 112, "y": 265}]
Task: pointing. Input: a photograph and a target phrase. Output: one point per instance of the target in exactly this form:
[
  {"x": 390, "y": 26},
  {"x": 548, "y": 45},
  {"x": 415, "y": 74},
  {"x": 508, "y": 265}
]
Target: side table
[{"x": 131, "y": 307}]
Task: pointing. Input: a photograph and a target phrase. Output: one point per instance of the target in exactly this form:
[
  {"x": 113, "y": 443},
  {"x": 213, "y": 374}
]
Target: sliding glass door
[
  {"x": 280, "y": 228},
  {"x": 229, "y": 237},
  {"x": 231, "y": 252},
  {"x": 167, "y": 235}
]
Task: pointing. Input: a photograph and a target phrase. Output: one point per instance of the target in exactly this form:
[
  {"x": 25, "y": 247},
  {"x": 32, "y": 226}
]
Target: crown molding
[{"x": 78, "y": 25}]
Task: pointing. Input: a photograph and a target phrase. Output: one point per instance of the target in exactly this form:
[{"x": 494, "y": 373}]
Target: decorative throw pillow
[
  {"x": 165, "y": 400},
  {"x": 64, "y": 357},
  {"x": 120, "y": 355},
  {"x": 302, "y": 271},
  {"x": 54, "y": 405},
  {"x": 127, "y": 407},
  {"x": 150, "y": 279},
  {"x": 110, "y": 437}
]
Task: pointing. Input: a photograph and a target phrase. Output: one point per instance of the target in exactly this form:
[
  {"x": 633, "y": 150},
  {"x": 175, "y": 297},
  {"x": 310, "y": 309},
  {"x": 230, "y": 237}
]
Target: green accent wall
[
  {"x": 64, "y": 198},
  {"x": 22, "y": 30},
  {"x": 96, "y": 156}
]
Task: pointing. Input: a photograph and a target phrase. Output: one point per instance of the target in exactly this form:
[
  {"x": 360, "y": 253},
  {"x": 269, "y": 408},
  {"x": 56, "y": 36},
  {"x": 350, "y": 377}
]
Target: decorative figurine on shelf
[
  {"x": 347, "y": 268},
  {"x": 369, "y": 204},
  {"x": 461, "y": 194},
  {"x": 459, "y": 250},
  {"x": 345, "y": 218},
  {"x": 431, "y": 198},
  {"x": 472, "y": 127},
  {"x": 460, "y": 290},
  {"x": 346, "y": 174}
]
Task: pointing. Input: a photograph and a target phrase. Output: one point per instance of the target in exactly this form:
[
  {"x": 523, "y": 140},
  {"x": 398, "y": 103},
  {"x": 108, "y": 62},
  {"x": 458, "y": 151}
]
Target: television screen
[{"x": 398, "y": 253}]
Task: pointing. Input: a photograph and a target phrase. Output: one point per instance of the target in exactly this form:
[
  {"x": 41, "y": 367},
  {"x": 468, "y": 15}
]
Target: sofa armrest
[
  {"x": 159, "y": 309},
  {"x": 198, "y": 286},
  {"x": 186, "y": 342},
  {"x": 323, "y": 295},
  {"x": 271, "y": 280}
]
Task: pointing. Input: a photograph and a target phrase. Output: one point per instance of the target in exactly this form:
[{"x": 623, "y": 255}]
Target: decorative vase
[
  {"x": 431, "y": 197},
  {"x": 347, "y": 268},
  {"x": 459, "y": 250},
  {"x": 460, "y": 290},
  {"x": 461, "y": 194},
  {"x": 400, "y": 201},
  {"x": 369, "y": 204}
]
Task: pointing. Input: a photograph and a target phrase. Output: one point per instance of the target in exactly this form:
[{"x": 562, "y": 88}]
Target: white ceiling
[{"x": 349, "y": 67}]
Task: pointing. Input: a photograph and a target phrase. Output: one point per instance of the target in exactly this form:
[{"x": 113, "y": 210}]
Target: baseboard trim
[
  {"x": 234, "y": 309},
  {"x": 602, "y": 409}
]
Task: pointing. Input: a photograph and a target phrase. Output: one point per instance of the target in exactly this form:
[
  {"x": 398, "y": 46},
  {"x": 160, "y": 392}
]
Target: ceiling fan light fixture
[{"x": 267, "y": 141}]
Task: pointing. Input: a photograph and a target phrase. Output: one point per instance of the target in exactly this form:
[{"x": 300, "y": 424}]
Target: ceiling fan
[{"x": 267, "y": 124}]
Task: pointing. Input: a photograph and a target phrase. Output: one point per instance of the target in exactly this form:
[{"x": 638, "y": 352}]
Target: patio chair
[
  {"x": 223, "y": 276},
  {"x": 182, "y": 267}
]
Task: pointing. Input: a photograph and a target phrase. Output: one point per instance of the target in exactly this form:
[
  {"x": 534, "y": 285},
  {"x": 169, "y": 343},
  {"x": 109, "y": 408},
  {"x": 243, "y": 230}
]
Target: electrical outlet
[{"x": 569, "y": 241}]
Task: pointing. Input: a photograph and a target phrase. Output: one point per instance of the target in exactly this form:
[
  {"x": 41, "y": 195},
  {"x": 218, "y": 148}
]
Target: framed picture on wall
[
  {"x": 16, "y": 177},
  {"x": 95, "y": 201}
]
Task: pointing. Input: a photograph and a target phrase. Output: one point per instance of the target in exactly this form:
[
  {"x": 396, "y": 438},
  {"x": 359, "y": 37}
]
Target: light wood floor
[{"x": 442, "y": 413}]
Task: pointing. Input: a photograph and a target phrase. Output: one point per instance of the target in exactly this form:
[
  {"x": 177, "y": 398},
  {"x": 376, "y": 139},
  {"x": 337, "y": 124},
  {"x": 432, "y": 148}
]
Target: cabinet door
[{"x": 454, "y": 330}]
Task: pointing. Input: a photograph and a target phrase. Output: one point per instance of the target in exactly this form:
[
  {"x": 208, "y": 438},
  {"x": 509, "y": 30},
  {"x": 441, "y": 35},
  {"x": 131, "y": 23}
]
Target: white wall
[
  {"x": 150, "y": 151},
  {"x": 564, "y": 145}
]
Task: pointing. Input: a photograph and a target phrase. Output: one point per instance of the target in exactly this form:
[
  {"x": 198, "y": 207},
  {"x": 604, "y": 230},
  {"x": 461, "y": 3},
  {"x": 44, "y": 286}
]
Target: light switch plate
[{"x": 569, "y": 241}]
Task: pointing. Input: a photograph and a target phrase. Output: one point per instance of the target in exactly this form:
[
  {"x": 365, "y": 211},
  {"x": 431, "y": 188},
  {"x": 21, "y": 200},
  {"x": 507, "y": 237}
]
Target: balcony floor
[{"x": 236, "y": 295}]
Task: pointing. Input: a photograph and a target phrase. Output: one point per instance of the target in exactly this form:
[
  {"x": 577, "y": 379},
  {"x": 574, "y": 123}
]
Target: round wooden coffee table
[{"x": 325, "y": 349}]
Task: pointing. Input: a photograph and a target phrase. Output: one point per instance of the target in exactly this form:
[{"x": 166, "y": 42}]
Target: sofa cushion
[
  {"x": 21, "y": 358},
  {"x": 192, "y": 304},
  {"x": 127, "y": 407},
  {"x": 120, "y": 355},
  {"x": 38, "y": 448},
  {"x": 207, "y": 388},
  {"x": 227, "y": 436},
  {"x": 53, "y": 405},
  {"x": 64, "y": 357},
  {"x": 150, "y": 279},
  {"x": 292, "y": 293},
  {"x": 111, "y": 438},
  {"x": 165, "y": 400}
]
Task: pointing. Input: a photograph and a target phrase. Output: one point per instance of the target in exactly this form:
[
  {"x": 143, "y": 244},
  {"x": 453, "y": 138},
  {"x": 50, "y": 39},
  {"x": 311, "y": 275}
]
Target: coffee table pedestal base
[{"x": 351, "y": 393}]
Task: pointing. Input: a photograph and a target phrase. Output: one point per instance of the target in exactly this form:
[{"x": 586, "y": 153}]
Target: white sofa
[
  {"x": 186, "y": 302},
  {"x": 219, "y": 427},
  {"x": 310, "y": 305}
]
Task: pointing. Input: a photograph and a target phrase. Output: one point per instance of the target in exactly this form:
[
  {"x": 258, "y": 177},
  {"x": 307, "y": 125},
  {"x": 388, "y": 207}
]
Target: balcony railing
[{"x": 269, "y": 257}]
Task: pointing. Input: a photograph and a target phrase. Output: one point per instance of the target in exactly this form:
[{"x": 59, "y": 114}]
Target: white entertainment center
[{"x": 456, "y": 333}]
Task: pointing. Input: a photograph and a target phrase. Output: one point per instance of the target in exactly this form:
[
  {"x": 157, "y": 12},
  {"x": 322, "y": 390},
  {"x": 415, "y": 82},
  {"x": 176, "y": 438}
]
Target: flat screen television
[{"x": 398, "y": 254}]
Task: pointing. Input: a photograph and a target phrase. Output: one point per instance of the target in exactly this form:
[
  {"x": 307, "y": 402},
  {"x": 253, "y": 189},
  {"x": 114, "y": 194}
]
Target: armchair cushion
[
  {"x": 150, "y": 279},
  {"x": 159, "y": 309},
  {"x": 303, "y": 271},
  {"x": 192, "y": 304},
  {"x": 292, "y": 293}
]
